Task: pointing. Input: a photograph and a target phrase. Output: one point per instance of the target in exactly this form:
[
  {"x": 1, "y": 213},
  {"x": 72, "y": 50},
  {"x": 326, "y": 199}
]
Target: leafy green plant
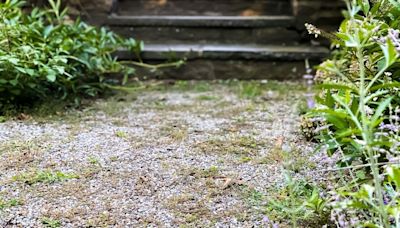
[
  {"x": 44, "y": 54},
  {"x": 9, "y": 203},
  {"x": 51, "y": 223},
  {"x": 361, "y": 209},
  {"x": 358, "y": 103},
  {"x": 299, "y": 202}
]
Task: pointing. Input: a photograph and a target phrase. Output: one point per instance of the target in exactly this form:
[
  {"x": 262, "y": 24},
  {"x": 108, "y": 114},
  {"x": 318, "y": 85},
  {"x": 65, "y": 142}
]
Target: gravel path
[{"x": 197, "y": 156}]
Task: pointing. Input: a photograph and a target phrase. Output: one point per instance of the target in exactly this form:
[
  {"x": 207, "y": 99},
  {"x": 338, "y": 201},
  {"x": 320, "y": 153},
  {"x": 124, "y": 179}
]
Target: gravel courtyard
[{"x": 192, "y": 154}]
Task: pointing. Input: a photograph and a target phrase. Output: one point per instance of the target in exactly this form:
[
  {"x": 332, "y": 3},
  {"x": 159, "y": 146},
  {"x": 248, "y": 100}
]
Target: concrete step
[
  {"x": 204, "y": 7},
  {"x": 229, "y": 52}
]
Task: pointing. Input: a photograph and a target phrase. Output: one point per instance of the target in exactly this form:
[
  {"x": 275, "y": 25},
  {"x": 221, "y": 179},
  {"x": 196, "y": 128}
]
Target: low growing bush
[{"x": 43, "y": 53}]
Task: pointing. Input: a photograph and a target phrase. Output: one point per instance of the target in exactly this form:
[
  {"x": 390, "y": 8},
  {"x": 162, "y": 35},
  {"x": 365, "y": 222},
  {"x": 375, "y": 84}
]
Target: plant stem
[
  {"x": 367, "y": 137},
  {"x": 156, "y": 66}
]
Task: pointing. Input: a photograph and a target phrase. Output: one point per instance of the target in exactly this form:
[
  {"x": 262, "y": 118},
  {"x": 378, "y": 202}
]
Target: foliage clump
[
  {"x": 358, "y": 111},
  {"x": 44, "y": 54}
]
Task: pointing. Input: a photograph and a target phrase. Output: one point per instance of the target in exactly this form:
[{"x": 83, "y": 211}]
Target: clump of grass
[
  {"x": 245, "y": 159},
  {"x": 43, "y": 176},
  {"x": 239, "y": 145},
  {"x": 252, "y": 196},
  {"x": 249, "y": 90},
  {"x": 197, "y": 86},
  {"x": 9, "y": 203},
  {"x": 189, "y": 209},
  {"x": 18, "y": 146},
  {"x": 291, "y": 158},
  {"x": 210, "y": 172},
  {"x": 93, "y": 160},
  {"x": 50, "y": 222},
  {"x": 121, "y": 134},
  {"x": 297, "y": 203},
  {"x": 179, "y": 134},
  {"x": 206, "y": 98}
]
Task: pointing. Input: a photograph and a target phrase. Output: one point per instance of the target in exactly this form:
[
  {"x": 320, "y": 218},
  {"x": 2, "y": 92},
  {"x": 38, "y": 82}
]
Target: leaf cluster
[{"x": 44, "y": 53}]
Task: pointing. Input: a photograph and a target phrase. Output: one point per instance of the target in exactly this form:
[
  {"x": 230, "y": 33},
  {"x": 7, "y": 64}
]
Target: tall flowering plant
[{"x": 357, "y": 111}]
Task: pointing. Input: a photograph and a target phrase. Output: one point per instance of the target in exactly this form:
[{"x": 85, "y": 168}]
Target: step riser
[
  {"x": 201, "y": 21},
  {"x": 204, "y": 7},
  {"x": 169, "y": 35},
  {"x": 203, "y": 69}
]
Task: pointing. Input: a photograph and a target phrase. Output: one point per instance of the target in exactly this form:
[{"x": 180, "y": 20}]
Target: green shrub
[
  {"x": 45, "y": 54},
  {"x": 357, "y": 111}
]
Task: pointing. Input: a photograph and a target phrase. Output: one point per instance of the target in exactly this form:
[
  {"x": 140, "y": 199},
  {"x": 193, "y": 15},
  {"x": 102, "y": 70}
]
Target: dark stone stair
[
  {"x": 217, "y": 42},
  {"x": 203, "y": 7},
  {"x": 207, "y": 29}
]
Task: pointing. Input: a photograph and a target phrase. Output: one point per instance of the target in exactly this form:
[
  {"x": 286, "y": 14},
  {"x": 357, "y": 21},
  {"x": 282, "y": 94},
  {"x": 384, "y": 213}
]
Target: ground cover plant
[{"x": 356, "y": 114}]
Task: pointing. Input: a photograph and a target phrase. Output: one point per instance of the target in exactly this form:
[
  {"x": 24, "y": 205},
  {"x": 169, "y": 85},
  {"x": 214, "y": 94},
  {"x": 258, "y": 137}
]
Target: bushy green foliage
[
  {"x": 45, "y": 54},
  {"x": 358, "y": 113},
  {"x": 361, "y": 81}
]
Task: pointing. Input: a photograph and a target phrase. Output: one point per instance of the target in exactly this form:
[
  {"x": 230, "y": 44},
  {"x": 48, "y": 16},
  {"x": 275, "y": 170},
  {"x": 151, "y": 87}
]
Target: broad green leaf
[
  {"x": 51, "y": 76},
  {"x": 47, "y": 31},
  {"x": 13, "y": 82},
  {"x": 365, "y": 7},
  {"x": 394, "y": 175},
  {"x": 27, "y": 71}
]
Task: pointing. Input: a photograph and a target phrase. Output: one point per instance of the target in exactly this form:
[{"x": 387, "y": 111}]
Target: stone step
[
  {"x": 228, "y": 52},
  {"x": 187, "y": 35},
  {"x": 200, "y": 21},
  {"x": 206, "y": 29},
  {"x": 204, "y": 7}
]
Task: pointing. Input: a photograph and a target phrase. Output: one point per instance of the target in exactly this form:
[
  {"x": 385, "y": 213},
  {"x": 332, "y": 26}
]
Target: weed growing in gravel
[
  {"x": 43, "y": 176},
  {"x": 207, "y": 98},
  {"x": 93, "y": 160},
  {"x": 210, "y": 172},
  {"x": 299, "y": 202},
  {"x": 18, "y": 146},
  {"x": 249, "y": 90},
  {"x": 252, "y": 196},
  {"x": 51, "y": 223},
  {"x": 121, "y": 134},
  {"x": 197, "y": 86},
  {"x": 9, "y": 203}
]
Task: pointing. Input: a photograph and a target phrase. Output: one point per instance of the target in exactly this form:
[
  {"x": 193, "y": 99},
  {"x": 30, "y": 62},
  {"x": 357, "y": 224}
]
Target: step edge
[
  {"x": 200, "y": 21},
  {"x": 261, "y": 53}
]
